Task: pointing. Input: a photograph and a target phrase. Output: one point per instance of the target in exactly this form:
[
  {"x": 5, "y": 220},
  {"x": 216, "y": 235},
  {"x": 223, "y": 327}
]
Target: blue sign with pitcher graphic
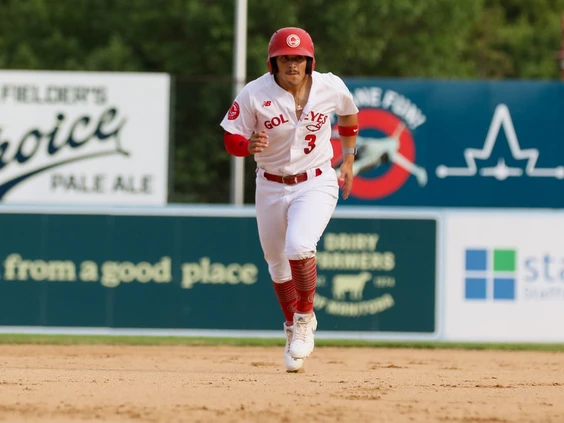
[{"x": 457, "y": 143}]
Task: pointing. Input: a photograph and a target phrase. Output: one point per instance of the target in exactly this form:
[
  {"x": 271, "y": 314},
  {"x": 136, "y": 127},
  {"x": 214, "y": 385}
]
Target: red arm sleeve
[{"x": 235, "y": 144}]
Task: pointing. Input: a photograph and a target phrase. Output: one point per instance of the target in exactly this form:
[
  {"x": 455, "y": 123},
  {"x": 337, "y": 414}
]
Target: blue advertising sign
[{"x": 458, "y": 143}]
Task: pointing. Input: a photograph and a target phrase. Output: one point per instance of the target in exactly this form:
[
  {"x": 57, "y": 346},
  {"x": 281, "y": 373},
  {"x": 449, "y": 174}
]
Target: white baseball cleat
[
  {"x": 292, "y": 365},
  {"x": 305, "y": 326}
]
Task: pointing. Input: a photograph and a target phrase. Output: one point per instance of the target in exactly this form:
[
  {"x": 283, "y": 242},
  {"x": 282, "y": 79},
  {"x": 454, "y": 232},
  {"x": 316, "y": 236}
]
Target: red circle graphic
[
  {"x": 391, "y": 181},
  {"x": 234, "y": 111}
]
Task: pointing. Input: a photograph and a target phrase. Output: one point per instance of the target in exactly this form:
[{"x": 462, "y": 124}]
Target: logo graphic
[
  {"x": 293, "y": 40},
  {"x": 234, "y": 111},
  {"x": 318, "y": 119},
  {"x": 266, "y": 103},
  {"x": 354, "y": 279},
  {"x": 490, "y": 274},
  {"x": 392, "y": 156},
  {"x": 501, "y": 119},
  {"x": 351, "y": 284}
]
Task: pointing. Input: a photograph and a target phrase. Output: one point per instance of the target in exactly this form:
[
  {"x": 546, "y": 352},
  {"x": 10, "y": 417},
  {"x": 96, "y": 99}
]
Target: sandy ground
[{"x": 235, "y": 384}]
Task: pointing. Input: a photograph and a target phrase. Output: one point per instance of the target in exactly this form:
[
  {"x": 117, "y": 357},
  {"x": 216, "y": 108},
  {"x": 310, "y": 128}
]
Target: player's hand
[
  {"x": 346, "y": 179},
  {"x": 258, "y": 142}
]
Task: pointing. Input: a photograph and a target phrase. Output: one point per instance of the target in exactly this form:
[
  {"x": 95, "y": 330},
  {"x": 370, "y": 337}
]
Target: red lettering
[
  {"x": 275, "y": 121},
  {"x": 311, "y": 143}
]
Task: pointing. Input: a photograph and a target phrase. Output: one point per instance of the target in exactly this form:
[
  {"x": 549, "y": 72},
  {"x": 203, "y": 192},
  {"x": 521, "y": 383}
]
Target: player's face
[{"x": 291, "y": 69}]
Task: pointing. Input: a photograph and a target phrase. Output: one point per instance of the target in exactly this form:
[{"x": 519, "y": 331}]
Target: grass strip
[{"x": 30, "y": 339}]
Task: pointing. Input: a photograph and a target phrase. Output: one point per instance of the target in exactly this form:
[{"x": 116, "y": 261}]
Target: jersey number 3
[{"x": 311, "y": 143}]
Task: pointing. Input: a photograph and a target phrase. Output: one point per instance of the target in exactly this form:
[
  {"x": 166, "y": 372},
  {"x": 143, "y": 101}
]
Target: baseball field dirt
[{"x": 94, "y": 383}]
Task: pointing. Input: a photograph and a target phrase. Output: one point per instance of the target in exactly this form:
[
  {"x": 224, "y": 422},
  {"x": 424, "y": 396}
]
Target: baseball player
[{"x": 283, "y": 119}]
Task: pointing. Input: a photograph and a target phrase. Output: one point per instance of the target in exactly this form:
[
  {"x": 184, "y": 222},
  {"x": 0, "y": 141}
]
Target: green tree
[{"x": 193, "y": 41}]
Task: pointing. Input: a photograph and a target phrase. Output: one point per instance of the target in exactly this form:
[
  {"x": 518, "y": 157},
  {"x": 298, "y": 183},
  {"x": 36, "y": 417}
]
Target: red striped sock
[
  {"x": 304, "y": 273},
  {"x": 287, "y": 297}
]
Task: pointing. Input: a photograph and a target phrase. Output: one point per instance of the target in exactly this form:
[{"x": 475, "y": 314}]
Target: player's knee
[
  {"x": 298, "y": 251},
  {"x": 280, "y": 271}
]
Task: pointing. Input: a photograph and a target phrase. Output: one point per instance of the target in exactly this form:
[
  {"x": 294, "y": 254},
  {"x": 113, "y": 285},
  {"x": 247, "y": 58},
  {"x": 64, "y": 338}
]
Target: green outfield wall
[{"x": 169, "y": 271}]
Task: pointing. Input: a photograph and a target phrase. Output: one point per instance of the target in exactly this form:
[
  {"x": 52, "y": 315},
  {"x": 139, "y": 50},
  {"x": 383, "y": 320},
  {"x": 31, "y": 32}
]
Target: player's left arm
[{"x": 348, "y": 130}]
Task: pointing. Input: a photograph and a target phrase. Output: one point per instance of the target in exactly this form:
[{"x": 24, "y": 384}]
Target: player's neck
[
  {"x": 300, "y": 92},
  {"x": 295, "y": 90}
]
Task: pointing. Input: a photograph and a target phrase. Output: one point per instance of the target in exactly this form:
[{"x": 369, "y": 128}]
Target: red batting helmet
[{"x": 290, "y": 41}]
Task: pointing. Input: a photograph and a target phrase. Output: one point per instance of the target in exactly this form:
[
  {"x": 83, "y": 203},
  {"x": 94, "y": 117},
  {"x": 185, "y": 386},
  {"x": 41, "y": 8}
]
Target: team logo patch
[
  {"x": 234, "y": 111},
  {"x": 293, "y": 40}
]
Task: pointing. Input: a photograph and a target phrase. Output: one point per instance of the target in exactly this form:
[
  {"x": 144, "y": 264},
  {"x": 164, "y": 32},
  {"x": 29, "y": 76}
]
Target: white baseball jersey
[{"x": 295, "y": 145}]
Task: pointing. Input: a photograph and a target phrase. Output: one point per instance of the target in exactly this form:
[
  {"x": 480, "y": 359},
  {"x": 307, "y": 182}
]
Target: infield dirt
[{"x": 249, "y": 384}]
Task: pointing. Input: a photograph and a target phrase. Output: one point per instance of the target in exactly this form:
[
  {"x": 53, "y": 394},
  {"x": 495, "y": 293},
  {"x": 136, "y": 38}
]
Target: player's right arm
[
  {"x": 239, "y": 124},
  {"x": 239, "y": 146},
  {"x": 236, "y": 144}
]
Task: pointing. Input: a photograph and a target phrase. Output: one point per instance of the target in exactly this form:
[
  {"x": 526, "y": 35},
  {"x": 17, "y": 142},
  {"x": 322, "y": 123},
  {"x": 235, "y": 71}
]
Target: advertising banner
[
  {"x": 195, "y": 272},
  {"x": 457, "y": 143},
  {"x": 504, "y": 278},
  {"x": 377, "y": 274},
  {"x": 84, "y": 138}
]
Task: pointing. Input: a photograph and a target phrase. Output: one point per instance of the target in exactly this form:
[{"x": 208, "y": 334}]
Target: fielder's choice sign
[{"x": 84, "y": 138}]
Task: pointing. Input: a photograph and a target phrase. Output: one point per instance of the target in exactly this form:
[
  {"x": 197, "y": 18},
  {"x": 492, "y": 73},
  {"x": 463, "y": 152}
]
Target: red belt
[{"x": 290, "y": 179}]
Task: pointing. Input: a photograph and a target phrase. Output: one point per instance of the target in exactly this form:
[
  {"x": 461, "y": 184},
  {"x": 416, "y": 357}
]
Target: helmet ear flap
[
  {"x": 309, "y": 65},
  {"x": 272, "y": 65}
]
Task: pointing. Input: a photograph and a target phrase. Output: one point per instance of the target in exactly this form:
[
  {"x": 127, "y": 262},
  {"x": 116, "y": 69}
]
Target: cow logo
[
  {"x": 234, "y": 111},
  {"x": 293, "y": 40},
  {"x": 386, "y": 156},
  {"x": 354, "y": 278},
  {"x": 350, "y": 284}
]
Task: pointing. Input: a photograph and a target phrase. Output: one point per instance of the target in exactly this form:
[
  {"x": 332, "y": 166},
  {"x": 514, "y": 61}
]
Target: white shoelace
[
  {"x": 289, "y": 336},
  {"x": 301, "y": 330}
]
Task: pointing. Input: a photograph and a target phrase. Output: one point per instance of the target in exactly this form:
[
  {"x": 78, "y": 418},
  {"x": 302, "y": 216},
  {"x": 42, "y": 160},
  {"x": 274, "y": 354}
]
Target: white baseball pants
[{"x": 292, "y": 218}]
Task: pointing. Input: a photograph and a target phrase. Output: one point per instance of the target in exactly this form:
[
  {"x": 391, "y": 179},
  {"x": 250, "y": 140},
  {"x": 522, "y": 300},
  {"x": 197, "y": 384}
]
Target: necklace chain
[
  {"x": 299, "y": 103},
  {"x": 298, "y": 100}
]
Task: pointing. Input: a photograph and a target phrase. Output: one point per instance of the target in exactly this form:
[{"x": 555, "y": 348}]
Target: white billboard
[
  {"x": 504, "y": 276},
  {"x": 84, "y": 138}
]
